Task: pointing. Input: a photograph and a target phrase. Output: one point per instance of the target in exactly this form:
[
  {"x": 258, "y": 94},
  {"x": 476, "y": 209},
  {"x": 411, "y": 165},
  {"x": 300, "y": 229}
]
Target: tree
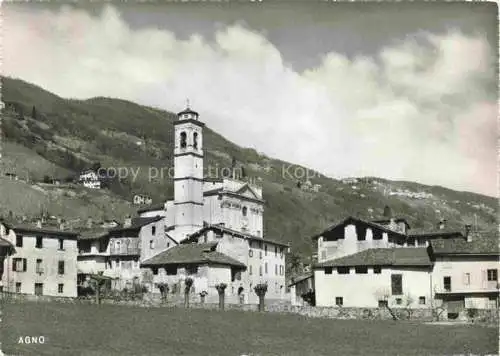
[
  {"x": 164, "y": 288},
  {"x": 408, "y": 302},
  {"x": 33, "y": 113},
  {"x": 46, "y": 179},
  {"x": 387, "y": 211},
  {"x": 221, "y": 287},
  {"x": 203, "y": 294},
  {"x": 261, "y": 290},
  {"x": 99, "y": 281},
  {"x": 188, "y": 283},
  {"x": 383, "y": 295},
  {"x": 294, "y": 263}
]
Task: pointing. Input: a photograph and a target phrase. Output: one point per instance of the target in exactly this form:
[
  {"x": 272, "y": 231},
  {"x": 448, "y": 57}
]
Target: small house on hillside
[
  {"x": 141, "y": 199},
  {"x": 89, "y": 179}
]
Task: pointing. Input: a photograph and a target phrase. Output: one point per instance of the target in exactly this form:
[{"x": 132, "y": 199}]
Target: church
[{"x": 212, "y": 231}]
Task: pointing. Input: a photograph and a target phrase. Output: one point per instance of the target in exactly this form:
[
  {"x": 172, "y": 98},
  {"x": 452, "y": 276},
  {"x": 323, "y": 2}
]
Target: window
[
  {"x": 38, "y": 288},
  {"x": 377, "y": 234},
  {"x": 39, "y": 242},
  {"x": 250, "y": 270},
  {"x": 155, "y": 271},
  {"x": 275, "y": 251},
  {"x": 171, "y": 270},
  {"x": 39, "y": 268},
  {"x": 18, "y": 287},
  {"x": 19, "y": 264},
  {"x": 260, "y": 254},
  {"x": 151, "y": 244},
  {"x": 281, "y": 252},
  {"x": 260, "y": 270},
  {"x": 19, "y": 240},
  {"x": 399, "y": 301},
  {"x": 328, "y": 270},
  {"x": 218, "y": 235},
  {"x": 421, "y": 242},
  {"x": 265, "y": 250},
  {"x": 153, "y": 230},
  {"x": 466, "y": 279},
  {"x": 447, "y": 283},
  {"x": 377, "y": 269},
  {"x": 244, "y": 211},
  {"x": 60, "y": 267},
  {"x": 190, "y": 270},
  {"x": 61, "y": 244},
  {"x": 265, "y": 267},
  {"x": 60, "y": 288},
  {"x": 397, "y": 284},
  {"x": 361, "y": 270},
  {"x": 235, "y": 276},
  {"x": 492, "y": 275},
  {"x": 250, "y": 253},
  {"x": 195, "y": 140},
  {"x": 275, "y": 270},
  {"x": 421, "y": 300},
  {"x": 282, "y": 270},
  {"x": 382, "y": 303},
  {"x": 183, "y": 140},
  {"x": 339, "y": 301},
  {"x": 343, "y": 270},
  {"x": 361, "y": 233}
]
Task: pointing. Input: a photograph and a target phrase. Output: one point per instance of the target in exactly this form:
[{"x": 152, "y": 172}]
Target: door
[
  {"x": 455, "y": 305},
  {"x": 38, "y": 288}
]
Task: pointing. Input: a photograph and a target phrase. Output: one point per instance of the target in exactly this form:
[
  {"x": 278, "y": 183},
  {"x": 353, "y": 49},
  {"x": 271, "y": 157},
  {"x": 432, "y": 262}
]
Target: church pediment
[{"x": 247, "y": 192}]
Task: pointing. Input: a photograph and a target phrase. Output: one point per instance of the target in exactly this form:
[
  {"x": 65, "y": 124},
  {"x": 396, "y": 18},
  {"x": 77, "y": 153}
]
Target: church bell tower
[{"x": 188, "y": 173}]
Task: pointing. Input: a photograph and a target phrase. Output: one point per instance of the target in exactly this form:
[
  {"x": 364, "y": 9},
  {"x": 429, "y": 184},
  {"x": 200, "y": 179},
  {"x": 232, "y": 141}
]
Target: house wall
[
  {"x": 468, "y": 278},
  {"x": 160, "y": 240},
  {"x": 328, "y": 250},
  {"x": 233, "y": 218},
  {"x": 365, "y": 290},
  {"x": 91, "y": 264},
  {"x": 50, "y": 256}
]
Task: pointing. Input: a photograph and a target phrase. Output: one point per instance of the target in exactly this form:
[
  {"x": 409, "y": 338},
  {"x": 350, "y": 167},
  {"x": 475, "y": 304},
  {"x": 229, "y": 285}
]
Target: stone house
[{"x": 44, "y": 262}]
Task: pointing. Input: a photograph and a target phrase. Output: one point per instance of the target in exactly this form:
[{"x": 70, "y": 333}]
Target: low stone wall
[{"x": 153, "y": 301}]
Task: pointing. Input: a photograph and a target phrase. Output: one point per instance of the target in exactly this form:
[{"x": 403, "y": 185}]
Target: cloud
[{"x": 421, "y": 109}]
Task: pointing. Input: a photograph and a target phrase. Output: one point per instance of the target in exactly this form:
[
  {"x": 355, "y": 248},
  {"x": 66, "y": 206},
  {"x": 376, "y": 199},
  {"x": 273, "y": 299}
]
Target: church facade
[{"x": 216, "y": 226}]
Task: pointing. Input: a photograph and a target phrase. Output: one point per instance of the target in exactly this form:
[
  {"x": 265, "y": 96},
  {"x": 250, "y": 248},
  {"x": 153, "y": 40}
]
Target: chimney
[
  {"x": 89, "y": 223},
  {"x": 468, "y": 232},
  {"x": 127, "y": 222},
  {"x": 62, "y": 226},
  {"x": 39, "y": 223}
]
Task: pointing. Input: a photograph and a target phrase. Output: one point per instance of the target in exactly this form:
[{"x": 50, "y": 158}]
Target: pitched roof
[
  {"x": 192, "y": 254},
  {"x": 419, "y": 232},
  {"x": 301, "y": 278},
  {"x": 56, "y": 232},
  {"x": 151, "y": 208},
  {"x": 385, "y": 220},
  {"x": 352, "y": 218},
  {"x": 221, "y": 228},
  {"x": 5, "y": 243},
  {"x": 382, "y": 257},
  {"x": 137, "y": 224},
  {"x": 92, "y": 233},
  {"x": 481, "y": 244},
  {"x": 213, "y": 191}
]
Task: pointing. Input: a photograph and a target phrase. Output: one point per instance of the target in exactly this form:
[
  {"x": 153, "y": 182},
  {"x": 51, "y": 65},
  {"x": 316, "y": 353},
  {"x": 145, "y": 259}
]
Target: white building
[
  {"x": 226, "y": 213},
  {"x": 141, "y": 199},
  {"x": 44, "y": 262},
  {"x": 89, "y": 179},
  {"x": 366, "y": 264}
]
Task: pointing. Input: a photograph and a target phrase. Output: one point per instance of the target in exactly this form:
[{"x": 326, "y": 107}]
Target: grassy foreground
[{"x": 117, "y": 330}]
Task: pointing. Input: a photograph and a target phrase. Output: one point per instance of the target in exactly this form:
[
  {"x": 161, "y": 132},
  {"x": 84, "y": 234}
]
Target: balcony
[{"x": 129, "y": 251}]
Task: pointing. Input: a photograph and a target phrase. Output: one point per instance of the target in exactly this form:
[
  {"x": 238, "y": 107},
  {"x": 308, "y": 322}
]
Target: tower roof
[{"x": 187, "y": 111}]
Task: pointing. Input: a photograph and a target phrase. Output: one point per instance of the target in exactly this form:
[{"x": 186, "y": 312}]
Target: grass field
[{"x": 117, "y": 330}]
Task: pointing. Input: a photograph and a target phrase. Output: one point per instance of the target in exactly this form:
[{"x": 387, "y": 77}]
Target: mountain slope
[{"x": 72, "y": 134}]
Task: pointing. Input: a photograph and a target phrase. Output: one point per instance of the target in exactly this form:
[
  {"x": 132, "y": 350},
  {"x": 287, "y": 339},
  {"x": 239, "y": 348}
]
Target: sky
[{"x": 403, "y": 91}]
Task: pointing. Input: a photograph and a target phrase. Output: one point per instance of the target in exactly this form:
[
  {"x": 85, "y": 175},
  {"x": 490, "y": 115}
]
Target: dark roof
[
  {"x": 434, "y": 233},
  {"x": 5, "y": 243},
  {"x": 354, "y": 219},
  {"x": 210, "y": 179},
  {"x": 187, "y": 111},
  {"x": 213, "y": 191},
  {"x": 192, "y": 254},
  {"x": 137, "y": 224},
  {"x": 382, "y": 257},
  {"x": 301, "y": 278},
  {"x": 93, "y": 233},
  {"x": 221, "y": 228},
  {"x": 480, "y": 244},
  {"x": 151, "y": 208},
  {"x": 36, "y": 230}
]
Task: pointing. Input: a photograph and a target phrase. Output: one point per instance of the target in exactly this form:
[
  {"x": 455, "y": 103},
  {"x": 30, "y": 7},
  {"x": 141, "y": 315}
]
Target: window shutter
[
  {"x": 14, "y": 265},
  {"x": 465, "y": 279},
  {"x": 25, "y": 263}
]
